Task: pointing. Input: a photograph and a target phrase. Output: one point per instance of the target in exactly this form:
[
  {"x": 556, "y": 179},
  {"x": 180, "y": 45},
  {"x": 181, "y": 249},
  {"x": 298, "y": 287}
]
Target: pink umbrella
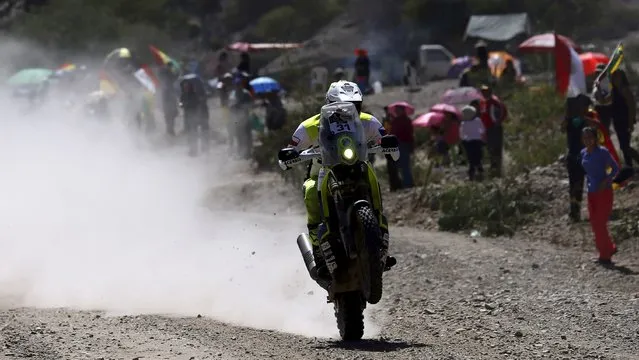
[
  {"x": 410, "y": 110},
  {"x": 431, "y": 119},
  {"x": 446, "y": 108},
  {"x": 462, "y": 95}
]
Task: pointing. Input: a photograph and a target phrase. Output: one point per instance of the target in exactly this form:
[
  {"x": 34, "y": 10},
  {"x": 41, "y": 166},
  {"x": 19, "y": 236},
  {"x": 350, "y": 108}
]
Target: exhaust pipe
[{"x": 306, "y": 249}]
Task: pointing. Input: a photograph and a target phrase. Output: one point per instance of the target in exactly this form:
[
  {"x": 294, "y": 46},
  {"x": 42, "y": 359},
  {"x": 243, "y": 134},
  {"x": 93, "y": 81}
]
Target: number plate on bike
[{"x": 342, "y": 126}]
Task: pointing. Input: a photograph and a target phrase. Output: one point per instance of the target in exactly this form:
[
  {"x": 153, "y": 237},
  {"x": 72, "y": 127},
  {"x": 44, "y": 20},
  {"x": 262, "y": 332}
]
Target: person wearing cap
[
  {"x": 362, "y": 67},
  {"x": 600, "y": 169},
  {"x": 493, "y": 114},
  {"x": 479, "y": 73}
]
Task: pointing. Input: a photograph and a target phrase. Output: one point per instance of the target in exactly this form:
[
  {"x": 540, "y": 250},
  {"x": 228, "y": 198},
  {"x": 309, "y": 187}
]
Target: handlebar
[{"x": 314, "y": 153}]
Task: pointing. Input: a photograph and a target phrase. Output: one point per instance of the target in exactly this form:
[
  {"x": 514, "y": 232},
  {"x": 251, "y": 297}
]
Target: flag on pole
[
  {"x": 602, "y": 89},
  {"x": 163, "y": 59}
]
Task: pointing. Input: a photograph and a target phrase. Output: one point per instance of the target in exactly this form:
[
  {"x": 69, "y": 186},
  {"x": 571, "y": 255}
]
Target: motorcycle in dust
[{"x": 346, "y": 184}]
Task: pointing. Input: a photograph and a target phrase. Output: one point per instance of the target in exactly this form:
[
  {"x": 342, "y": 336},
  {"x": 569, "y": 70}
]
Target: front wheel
[
  {"x": 372, "y": 264},
  {"x": 349, "y": 312}
]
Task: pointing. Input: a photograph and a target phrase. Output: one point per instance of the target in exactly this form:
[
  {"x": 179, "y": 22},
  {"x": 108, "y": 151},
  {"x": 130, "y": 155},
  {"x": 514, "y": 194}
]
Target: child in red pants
[{"x": 601, "y": 168}]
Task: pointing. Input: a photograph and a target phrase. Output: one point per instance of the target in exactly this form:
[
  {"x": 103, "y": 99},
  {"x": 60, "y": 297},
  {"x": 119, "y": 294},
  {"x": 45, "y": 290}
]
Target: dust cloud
[{"x": 92, "y": 217}]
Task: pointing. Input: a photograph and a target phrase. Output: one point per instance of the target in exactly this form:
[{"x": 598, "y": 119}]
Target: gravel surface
[{"x": 450, "y": 297}]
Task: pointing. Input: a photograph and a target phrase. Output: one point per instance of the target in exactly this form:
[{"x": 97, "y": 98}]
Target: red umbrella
[
  {"x": 447, "y": 108},
  {"x": 410, "y": 110},
  {"x": 545, "y": 42},
  {"x": 431, "y": 119},
  {"x": 590, "y": 61}
]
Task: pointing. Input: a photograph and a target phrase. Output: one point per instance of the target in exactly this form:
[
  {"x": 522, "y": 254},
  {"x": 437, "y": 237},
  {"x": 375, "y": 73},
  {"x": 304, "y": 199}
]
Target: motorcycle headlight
[
  {"x": 346, "y": 150},
  {"x": 348, "y": 154}
]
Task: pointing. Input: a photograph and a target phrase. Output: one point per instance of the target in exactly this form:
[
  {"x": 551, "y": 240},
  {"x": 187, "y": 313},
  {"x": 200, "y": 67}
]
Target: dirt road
[
  {"x": 119, "y": 232},
  {"x": 449, "y": 298}
]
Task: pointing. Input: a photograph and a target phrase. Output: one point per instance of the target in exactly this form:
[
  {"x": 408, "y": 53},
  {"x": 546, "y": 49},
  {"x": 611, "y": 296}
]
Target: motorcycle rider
[{"x": 305, "y": 136}]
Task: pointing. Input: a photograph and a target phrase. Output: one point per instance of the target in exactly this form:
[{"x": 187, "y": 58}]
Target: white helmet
[{"x": 344, "y": 91}]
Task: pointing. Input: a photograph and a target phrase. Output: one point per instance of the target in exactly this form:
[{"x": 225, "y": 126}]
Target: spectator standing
[
  {"x": 472, "y": 134},
  {"x": 362, "y": 70},
  {"x": 575, "y": 121},
  {"x": 241, "y": 104},
  {"x": 402, "y": 128},
  {"x": 493, "y": 113},
  {"x": 169, "y": 96},
  {"x": 196, "y": 112},
  {"x": 438, "y": 143},
  {"x": 275, "y": 111},
  {"x": 222, "y": 66},
  {"x": 479, "y": 73},
  {"x": 391, "y": 166},
  {"x": 603, "y": 108},
  {"x": 339, "y": 74},
  {"x": 600, "y": 170},
  {"x": 624, "y": 112},
  {"x": 411, "y": 77},
  {"x": 508, "y": 80},
  {"x": 245, "y": 63}
]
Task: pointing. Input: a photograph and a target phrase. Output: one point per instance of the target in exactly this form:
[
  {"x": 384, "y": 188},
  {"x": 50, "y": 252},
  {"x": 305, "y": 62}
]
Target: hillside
[{"x": 331, "y": 24}]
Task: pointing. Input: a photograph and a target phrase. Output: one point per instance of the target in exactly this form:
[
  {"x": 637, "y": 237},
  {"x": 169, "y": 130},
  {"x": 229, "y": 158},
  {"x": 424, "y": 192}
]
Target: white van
[{"x": 434, "y": 61}]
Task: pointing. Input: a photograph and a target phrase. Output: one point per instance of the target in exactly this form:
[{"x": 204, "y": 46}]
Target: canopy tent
[
  {"x": 570, "y": 77},
  {"x": 497, "y": 27}
]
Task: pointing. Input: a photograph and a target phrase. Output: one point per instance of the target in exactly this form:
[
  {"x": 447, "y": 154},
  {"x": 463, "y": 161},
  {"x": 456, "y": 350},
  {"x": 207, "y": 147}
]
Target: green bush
[
  {"x": 494, "y": 208},
  {"x": 533, "y": 135}
]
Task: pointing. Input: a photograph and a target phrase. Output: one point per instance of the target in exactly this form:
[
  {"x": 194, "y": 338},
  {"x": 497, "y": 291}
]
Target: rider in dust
[{"x": 306, "y": 135}]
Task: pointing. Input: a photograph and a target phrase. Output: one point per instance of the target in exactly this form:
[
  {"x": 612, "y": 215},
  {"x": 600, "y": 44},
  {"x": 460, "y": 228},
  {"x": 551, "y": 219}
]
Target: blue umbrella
[{"x": 264, "y": 84}]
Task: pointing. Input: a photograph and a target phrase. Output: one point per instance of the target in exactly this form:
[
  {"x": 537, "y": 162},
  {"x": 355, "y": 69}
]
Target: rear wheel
[
  {"x": 349, "y": 312},
  {"x": 372, "y": 263}
]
